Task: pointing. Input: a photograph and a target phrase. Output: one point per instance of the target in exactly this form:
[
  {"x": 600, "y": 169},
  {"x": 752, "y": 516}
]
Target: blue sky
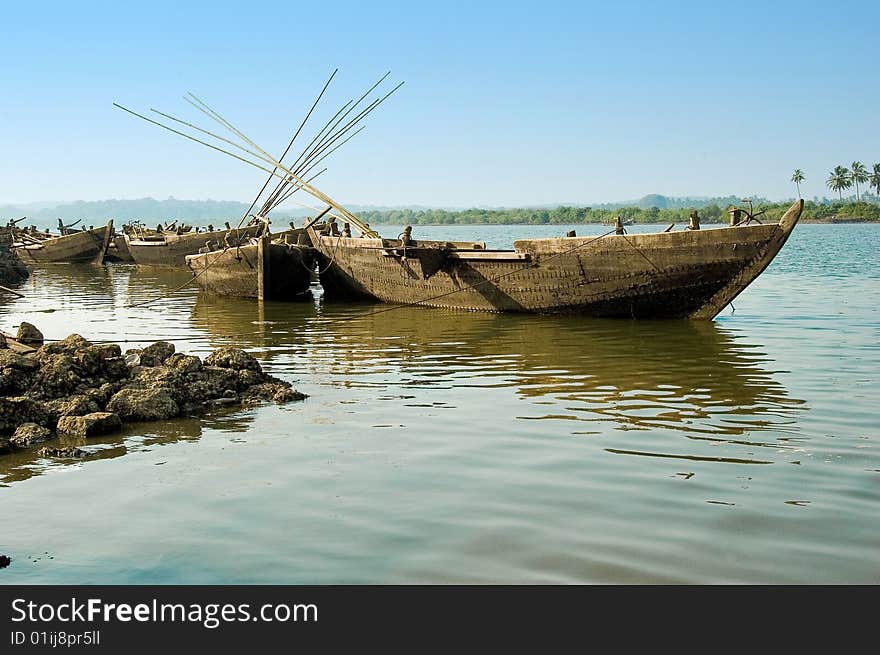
[{"x": 505, "y": 103}]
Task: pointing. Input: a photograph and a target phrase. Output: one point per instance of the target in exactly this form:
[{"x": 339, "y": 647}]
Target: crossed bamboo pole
[{"x": 291, "y": 177}]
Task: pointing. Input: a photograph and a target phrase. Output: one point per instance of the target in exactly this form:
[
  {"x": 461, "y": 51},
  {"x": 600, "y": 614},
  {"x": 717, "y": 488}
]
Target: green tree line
[{"x": 840, "y": 211}]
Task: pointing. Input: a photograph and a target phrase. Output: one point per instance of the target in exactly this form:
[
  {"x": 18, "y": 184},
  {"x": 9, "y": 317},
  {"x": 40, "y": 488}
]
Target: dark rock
[
  {"x": 29, "y": 334},
  {"x": 65, "y": 386},
  {"x": 116, "y": 369},
  {"x": 16, "y": 372},
  {"x": 143, "y": 404},
  {"x": 89, "y": 425},
  {"x": 210, "y": 383},
  {"x": 104, "y": 393},
  {"x": 184, "y": 363},
  {"x": 67, "y": 346},
  {"x": 10, "y": 359},
  {"x": 234, "y": 358},
  {"x": 18, "y": 410},
  {"x": 14, "y": 381},
  {"x": 157, "y": 377},
  {"x": 155, "y": 354},
  {"x": 287, "y": 394},
  {"x": 78, "y": 405},
  {"x": 3, "y": 343},
  {"x": 88, "y": 362},
  {"x": 29, "y": 434},
  {"x": 12, "y": 269},
  {"x": 58, "y": 376},
  {"x": 5, "y": 561},
  {"x": 248, "y": 378},
  {"x": 70, "y": 452},
  {"x": 278, "y": 391},
  {"x": 106, "y": 350}
]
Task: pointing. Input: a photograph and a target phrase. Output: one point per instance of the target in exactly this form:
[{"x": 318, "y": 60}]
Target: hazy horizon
[{"x": 50, "y": 204}]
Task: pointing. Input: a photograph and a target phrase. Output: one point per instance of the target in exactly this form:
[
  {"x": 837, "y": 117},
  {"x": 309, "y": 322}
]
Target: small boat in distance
[
  {"x": 86, "y": 246},
  {"x": 170, "y": 248},
  {"x": 687, "y": 274}
]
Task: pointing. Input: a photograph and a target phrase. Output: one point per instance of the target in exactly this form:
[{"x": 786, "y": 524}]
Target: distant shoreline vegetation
[
  {"x": 834, "y": 212},
  {"x": 649, "y": 209}
]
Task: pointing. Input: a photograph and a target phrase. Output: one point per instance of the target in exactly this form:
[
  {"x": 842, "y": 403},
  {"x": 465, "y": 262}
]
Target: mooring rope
[{"x": 657, "y": 268}]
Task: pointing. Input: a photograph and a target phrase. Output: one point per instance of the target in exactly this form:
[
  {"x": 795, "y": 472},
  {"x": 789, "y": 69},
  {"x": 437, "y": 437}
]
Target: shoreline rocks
[
  {"x": 76, "y": 388},
  {"x": 12, "y": 269}
]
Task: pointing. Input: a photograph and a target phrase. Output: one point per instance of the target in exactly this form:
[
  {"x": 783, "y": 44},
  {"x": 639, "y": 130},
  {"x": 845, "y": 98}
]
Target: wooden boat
[
  {"x": 76, "y": 247},
  {"x": 687, "y": 274},
  {"x": 117, "y": 251},
  {"x": 171, "y": 249},
  {"x": 264, "y": 269}
]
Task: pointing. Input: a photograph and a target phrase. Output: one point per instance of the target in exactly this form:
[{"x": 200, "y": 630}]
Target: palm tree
[
  {"x": 859, "y": 175},
  {"x": 797, "y": 177},
  {"x": 839, "y": 180},
  {"x": 874, "y": 178}
]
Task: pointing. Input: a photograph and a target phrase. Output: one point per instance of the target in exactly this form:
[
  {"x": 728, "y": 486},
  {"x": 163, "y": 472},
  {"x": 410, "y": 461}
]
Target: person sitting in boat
[{"x": 405, "y": 240}]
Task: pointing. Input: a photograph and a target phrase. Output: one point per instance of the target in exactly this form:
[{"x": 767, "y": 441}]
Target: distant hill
[{"x": 148, "y": 210}]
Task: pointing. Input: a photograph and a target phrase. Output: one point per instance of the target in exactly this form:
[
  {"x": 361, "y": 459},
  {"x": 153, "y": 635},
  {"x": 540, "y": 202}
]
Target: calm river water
[{"x": 460, "y": 447}]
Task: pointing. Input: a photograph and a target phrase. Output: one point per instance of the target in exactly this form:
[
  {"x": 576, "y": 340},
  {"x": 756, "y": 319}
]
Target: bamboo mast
[
  {"x": 354, "y": 220},
  {"x": 320, "y": 147},
  {"x": 310, "y": 162},
  {"x": 289, "y": 145}
]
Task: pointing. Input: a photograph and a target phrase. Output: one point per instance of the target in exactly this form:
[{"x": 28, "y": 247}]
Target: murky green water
[{"x": 445, "y": 447}]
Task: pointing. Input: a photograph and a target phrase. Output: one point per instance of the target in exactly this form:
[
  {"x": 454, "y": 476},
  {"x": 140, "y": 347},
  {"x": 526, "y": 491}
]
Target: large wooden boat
[
  {"x": 75, "y": 247},
  {"x": 685, "y": 274},
  {"x": 171, "y": 249},
  {"x": 265, "y": 269}
]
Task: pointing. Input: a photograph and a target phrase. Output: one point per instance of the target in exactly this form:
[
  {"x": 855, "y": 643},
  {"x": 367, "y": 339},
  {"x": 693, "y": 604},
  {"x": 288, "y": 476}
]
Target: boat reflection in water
[{"x": 692, "y": 377}]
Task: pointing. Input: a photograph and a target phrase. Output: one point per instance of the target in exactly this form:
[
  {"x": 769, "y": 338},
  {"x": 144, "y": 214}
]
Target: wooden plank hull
[
  {"x": 266, "y": 271},
  {"x": 687, "y": 274},
  {"x": 172, "y": 249},
  {"x": 79, "y": 247},
  {"x": 118, "y": 250}
]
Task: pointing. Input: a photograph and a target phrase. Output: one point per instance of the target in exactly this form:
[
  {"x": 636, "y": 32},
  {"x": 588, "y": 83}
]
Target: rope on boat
[
  {"x": 656, "y": 268},
  {"x": 332, "y": 258},
  {"x": 165, "y": 295}
]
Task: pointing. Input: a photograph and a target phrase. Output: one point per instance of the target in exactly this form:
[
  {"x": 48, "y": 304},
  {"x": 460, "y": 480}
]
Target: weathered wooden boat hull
[
  {"x": 118, "y": 250},
  {"x": 172, "y": 249},
  {"x": 264, "y": 271},
  {"x": 686, "y": 274},
  {"x": 79, "y": 247}
]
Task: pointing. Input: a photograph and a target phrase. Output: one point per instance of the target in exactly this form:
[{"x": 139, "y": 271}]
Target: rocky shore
[
  {"x": 75, "y": 388},
  {"x": 12, "y": 269}
]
